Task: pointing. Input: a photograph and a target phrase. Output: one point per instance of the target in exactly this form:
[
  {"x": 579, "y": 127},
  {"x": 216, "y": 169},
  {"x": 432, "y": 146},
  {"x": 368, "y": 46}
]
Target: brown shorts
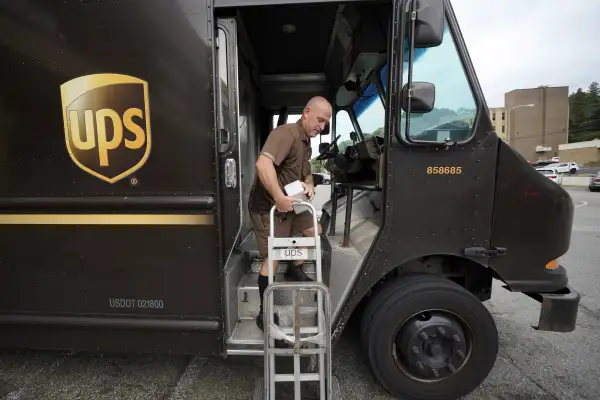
[{"x": 293, "y": 225}]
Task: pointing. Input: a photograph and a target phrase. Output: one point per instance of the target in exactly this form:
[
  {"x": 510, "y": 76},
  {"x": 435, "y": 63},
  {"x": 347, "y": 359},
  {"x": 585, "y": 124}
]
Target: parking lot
[{"x": 531, "y": 364}]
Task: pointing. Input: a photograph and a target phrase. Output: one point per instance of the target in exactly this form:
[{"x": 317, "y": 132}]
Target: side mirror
[
  {"x": 323, "y": 146},
  {"x": 423, "y": 97},
  {"x": 325, "y": 130},
  {"x": 354, "y": 136},
  {"x": 429, "y": 25}
]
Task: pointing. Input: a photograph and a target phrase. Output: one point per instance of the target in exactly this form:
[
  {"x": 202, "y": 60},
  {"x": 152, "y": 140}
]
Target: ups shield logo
[{"x": 107, "y": 124}]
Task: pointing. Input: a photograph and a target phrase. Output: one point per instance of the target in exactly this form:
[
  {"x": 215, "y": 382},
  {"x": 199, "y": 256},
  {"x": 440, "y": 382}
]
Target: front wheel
[{"x": 429, "y": 338}]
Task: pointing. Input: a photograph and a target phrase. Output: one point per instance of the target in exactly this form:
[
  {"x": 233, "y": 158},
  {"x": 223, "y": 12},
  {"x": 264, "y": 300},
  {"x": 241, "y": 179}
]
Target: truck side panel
[
  {"x": 545, "y": 212},
  {"x": 108, "y": 183}
]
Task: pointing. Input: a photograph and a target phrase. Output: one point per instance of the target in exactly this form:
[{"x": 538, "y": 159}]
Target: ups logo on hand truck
[{"x": 107, "y": 124}]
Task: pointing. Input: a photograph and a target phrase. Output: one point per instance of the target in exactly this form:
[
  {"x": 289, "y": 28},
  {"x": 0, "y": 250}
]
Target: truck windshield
[
  {"x": 455, "y": 106},
  {"x": 370, "y": 113}
]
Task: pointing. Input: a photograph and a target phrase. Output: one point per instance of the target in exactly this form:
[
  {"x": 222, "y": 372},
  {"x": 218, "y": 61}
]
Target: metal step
[
  {"x": 247, "y": 333},
  {"x": 249, "y": 301}
]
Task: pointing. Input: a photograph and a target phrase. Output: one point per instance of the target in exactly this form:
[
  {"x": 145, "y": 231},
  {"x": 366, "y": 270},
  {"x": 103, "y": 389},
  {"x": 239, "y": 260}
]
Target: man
[{"x": 285, "y": 158}]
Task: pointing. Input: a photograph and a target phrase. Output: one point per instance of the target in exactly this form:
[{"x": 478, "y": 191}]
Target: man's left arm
[{"x": 309, "y": 185}]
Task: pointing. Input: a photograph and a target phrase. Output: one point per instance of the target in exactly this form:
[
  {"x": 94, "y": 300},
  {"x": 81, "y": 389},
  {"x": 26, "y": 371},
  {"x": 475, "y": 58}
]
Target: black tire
[
  {"x": 447, "y": 305},
  {"x": 572, "y": 171},
  {"x": 378, "y": 298}
]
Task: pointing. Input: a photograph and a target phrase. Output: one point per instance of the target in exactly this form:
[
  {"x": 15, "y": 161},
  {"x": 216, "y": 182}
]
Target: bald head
[
  {"x": 318, "y": 101},
  {"x": 316, "y": 115}
]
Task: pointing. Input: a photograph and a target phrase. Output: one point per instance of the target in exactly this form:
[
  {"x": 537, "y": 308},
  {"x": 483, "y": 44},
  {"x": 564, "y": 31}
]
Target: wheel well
[{"x": 467, "y": 273}]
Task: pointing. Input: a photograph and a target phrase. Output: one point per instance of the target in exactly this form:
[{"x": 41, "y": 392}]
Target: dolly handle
[{"x": 314, "y": 214}]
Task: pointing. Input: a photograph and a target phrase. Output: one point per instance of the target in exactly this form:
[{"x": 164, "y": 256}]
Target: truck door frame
[
  {"x": 228, "y": 145},
  {"x": 386, "y": 252}
]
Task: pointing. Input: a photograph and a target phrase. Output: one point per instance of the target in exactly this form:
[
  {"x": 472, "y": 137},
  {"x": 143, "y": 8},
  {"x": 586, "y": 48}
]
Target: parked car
[
  {"x": 564, "y": 168},
  {"x": 595, "y": 182},
  {"x": 550, "y": 173}
]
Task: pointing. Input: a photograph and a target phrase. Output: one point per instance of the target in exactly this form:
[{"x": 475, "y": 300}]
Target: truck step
[
  {"x": 246, "y": 333},
  {"x": 249, "y": 301}
]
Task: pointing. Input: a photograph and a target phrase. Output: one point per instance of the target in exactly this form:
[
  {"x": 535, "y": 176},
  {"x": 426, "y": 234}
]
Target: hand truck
[{"x": 306, "y": 340}]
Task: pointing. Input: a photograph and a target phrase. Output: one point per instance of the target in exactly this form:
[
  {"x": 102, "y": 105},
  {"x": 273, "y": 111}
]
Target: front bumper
[{"x": 558, "y": 309}]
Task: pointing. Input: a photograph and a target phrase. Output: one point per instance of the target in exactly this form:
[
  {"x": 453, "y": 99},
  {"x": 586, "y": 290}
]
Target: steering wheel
[{"x": 321, "y": 156}]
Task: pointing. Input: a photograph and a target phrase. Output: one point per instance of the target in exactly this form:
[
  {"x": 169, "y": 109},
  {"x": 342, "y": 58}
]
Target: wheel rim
[{"x": 432, "y": 345}]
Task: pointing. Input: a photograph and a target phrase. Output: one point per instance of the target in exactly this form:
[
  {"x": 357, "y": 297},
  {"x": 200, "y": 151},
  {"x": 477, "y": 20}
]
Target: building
[
  {"x": 498, "y": 120},
  {"x": 537, "y": 121},
  {"x": 581, "y": 152}
]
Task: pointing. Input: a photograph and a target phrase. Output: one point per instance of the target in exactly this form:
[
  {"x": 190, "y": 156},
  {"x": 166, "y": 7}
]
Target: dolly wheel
[{"x": 428, "y": 338}]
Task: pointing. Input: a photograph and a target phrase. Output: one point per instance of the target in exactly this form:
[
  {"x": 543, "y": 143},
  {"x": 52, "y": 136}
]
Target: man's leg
[
  {"x": 261, "y": 231},
  {"x": 301, "y": 223}
]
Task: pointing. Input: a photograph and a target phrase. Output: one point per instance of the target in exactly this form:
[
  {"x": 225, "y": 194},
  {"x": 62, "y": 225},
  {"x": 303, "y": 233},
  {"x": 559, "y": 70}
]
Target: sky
[{"x": 520, "y": 44}]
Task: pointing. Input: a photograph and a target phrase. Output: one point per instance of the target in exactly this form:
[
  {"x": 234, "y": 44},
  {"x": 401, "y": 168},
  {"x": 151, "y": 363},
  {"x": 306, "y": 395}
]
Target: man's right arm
[
  {"x": 268, "y": 176},
  {"x": 274, "y": 152}
]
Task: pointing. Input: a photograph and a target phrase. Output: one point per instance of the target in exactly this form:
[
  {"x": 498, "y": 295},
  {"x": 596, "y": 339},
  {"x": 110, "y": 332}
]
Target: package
[{"x": 295, "y": 189}]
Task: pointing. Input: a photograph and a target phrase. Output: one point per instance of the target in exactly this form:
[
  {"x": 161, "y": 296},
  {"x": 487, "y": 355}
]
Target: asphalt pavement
[
  {"x": 531, "y": 364},
  {"x": 588, "y": 171}
]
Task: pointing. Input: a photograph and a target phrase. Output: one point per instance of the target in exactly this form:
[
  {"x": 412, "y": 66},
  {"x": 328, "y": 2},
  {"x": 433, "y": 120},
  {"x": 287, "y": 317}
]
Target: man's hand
[
  {"x": 284, "y": 203},
  {"x": 309, "y": 189}
]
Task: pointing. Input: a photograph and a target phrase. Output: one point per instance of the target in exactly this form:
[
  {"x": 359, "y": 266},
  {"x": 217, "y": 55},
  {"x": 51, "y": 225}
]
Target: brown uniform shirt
[{"x": 288, "y": 146}]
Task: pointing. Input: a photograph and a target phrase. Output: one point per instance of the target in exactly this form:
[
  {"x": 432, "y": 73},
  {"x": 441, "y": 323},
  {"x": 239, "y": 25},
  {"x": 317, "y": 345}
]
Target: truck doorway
[{"x": 271, "y": 61}]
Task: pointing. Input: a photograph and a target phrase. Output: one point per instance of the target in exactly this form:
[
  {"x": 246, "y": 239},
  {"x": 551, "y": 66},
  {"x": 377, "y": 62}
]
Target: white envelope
[{"x": 295, "y": 189}]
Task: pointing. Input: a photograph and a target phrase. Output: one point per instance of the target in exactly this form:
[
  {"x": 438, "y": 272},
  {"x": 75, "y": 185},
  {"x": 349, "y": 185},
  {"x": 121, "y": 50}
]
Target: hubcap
[{"x": 432, "y": 345}]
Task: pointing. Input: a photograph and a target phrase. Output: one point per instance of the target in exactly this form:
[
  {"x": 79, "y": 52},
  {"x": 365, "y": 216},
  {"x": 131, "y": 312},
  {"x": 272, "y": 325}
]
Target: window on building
[{"x": 502, "y": 116}]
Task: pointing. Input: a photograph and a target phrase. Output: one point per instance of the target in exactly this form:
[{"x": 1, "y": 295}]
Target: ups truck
[{"x": 129, "y": 130}]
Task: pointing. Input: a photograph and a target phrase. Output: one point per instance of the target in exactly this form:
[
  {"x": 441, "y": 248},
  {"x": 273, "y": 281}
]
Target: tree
[
  {"x": 316, "y": 166},
  {"x": 594, "y": 89},
  {"x": 584, "y": 114}
]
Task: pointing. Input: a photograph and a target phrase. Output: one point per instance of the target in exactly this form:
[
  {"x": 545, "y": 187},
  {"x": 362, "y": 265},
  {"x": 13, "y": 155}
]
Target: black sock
[{"x": 263, "y": 282}]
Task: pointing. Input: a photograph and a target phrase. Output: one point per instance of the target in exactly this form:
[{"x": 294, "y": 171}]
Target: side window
[
  {"x": 223, "y": 81},
  {"x": 370, "y": 113},
  {"x": 291, "y": 118},
  {"x": 455, "y": 108},
  {"x": 343, "y": 128},
  {"x": 383, "y": 77}
]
